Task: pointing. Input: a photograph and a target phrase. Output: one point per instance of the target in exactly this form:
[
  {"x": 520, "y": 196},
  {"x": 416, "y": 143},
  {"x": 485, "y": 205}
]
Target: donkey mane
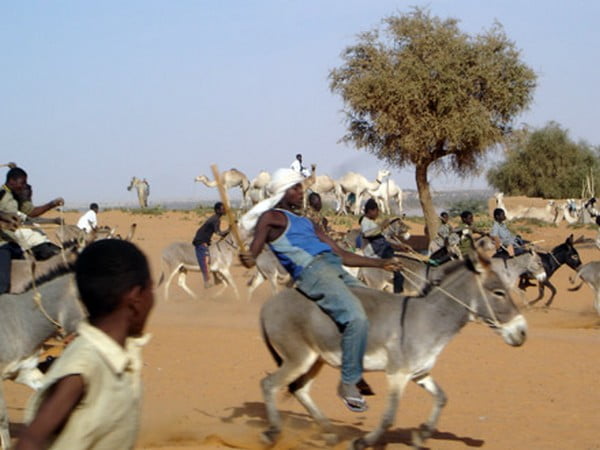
[{"x": 50, "y": 275}]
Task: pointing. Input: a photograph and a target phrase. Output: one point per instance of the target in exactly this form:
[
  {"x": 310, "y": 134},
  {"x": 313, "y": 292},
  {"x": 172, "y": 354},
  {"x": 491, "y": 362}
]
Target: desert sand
[{"x": 206, "y": 357}]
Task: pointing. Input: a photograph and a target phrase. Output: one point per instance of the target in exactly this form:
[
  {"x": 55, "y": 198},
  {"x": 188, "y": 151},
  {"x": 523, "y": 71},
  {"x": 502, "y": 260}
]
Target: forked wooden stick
[{"x": 225, "y": 199}]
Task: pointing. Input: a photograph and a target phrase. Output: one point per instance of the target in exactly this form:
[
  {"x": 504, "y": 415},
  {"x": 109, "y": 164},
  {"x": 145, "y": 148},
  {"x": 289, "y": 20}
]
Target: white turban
[{"x": 282, "y": 180}]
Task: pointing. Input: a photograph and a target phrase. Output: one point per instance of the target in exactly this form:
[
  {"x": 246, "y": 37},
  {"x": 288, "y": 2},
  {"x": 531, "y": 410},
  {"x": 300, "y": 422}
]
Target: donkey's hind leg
[
  {"x": 291, "y": 370},
  {"x": 301, "y": 390}
]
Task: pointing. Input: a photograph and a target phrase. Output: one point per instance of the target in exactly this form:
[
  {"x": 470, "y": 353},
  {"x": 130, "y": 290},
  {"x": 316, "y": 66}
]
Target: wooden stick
[{"x": 225, "y": 199}]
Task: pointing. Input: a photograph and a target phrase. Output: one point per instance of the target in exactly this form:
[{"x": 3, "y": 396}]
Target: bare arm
[
  {"x": 355, "y": 260},
  {"x": 268, "y": 227},
  {"x": 39, "y": 210},
  {"x": 53, "y": 413}
]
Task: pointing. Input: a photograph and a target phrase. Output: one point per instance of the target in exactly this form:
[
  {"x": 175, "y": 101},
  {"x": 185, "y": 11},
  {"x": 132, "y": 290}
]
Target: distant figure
[
  {"x": 202, "y": 240},
  {"x": 504, "y": 239},
  {"x": 373, "y": 234},
  {"x": 441, "y": 238},
  {"x": 313, "y": 212},
  {"x": 91, "y": 395},
  {"x": 298, "y": 167},
  {"x": 89, "y": 221}
]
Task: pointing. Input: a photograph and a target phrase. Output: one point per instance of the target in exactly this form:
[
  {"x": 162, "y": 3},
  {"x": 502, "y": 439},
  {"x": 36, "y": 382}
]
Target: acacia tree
[
  {"x": 545, "y": 163},
  {"x": 421, "y": 92}
]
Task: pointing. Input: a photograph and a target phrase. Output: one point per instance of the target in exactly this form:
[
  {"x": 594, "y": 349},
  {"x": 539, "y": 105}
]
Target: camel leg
[
  {"x": 396, "y": 383},
  {"x": 182, "y": 284},
  {"x": 286, "y": 374},
  {"x": 553, "y": 291},
  {"x": 440, "y": 400}
]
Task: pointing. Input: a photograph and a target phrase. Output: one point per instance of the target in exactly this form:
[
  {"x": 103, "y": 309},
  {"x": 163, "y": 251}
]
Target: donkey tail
[
  {"x": 272, "y": 350},
  {"x": 573, "y": 280}
]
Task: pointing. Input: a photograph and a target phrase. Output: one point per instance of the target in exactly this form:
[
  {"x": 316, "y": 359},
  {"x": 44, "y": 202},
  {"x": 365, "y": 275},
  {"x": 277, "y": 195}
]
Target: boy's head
[
  {"x": 314, "y": 200},
  {"x": 467, "y": 217},
  {"x": 499, "y": 215},
  {"x": 94, "y": 207},
  {"x": 113, "y": 276},
  {"x": 219, "y": 208}
]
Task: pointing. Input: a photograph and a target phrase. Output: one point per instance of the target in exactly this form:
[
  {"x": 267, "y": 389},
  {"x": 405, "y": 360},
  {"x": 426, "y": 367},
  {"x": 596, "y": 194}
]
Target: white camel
[
  {"x": 143, "y": 190},
  {"x": 231, "y": 178},
  {"x": 258, "y": 186},
  {"x": 388, "y": 196},
  {"x": 357, "y": 184},
  {"x": 548, "y": 213}
]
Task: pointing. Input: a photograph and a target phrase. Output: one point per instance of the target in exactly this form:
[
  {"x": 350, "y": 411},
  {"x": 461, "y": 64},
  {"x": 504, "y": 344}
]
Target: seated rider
[
  {"x": 504, "y": 239},
  {"x": 373, "y": 234},
  {"x": 466, "y": 233},
  {"x": 315, "y": 261}
]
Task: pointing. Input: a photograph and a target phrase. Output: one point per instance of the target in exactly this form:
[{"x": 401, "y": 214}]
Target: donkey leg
[
  {"x": 4, "y": 431},
  {"x": 553, "y": 291},
  {"x": 541, "y": 286},
  {"x": 287, "y": 373},
  {"x": 301, "y": 390},
  {"x": 254, "y": 283},
  {"x": 182, "y": 284},
  {"x": 440, "y": 399},
  {"x": 168, "y": 282},
  {"x": 396, "y": 382}
]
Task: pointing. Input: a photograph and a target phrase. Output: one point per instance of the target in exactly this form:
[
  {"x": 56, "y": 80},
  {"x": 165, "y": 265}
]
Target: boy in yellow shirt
[{"x": 91, "y": 398}]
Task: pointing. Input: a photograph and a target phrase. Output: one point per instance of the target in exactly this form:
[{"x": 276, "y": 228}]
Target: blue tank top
[{"x": 298, "y": 245}]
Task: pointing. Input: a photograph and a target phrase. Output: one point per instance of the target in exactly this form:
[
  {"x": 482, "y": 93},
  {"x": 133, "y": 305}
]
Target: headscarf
[{"x": 281, "y": 181}]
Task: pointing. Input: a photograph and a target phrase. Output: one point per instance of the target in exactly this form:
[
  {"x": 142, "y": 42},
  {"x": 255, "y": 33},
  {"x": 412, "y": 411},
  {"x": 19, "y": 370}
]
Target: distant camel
[
  {"x": 357, "y": 184},
  {"x": 387, "y": 195},
  {"x": 258, "y": 187},
  {"x": 10, "y": 165},
  {"x": 143, "y": 190},
  {"x": 231, "y": 178}
]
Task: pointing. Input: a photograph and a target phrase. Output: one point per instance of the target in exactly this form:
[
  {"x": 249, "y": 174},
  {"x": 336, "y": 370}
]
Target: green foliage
[
  {"x": 422, "y": 92},
  {"x": 154, "y": 211},
  {"x": 545, "y": 163},
  {"x": 475, "y": 205}
]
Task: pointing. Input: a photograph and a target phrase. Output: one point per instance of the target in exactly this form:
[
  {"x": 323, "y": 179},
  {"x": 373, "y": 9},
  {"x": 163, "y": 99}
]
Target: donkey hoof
[
  {"x": 357, "y": 444},
  {"x": 270, "y": 436},
  {"x": 418, "y": 440},
  {"x": 330, "y": 438}
]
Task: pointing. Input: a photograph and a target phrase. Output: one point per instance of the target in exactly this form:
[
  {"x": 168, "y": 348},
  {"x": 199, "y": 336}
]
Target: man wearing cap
[{"x": 315, "y": 261}]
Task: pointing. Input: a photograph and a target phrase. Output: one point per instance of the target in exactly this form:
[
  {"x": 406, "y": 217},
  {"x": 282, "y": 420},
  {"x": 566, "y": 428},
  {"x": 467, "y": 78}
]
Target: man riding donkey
[{"x": 315, "y": 261}]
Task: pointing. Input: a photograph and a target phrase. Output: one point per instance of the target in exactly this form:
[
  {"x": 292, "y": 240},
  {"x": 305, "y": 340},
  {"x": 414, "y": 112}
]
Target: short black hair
[
  {"x": 299, "y": 155},
  {"x": 370, "y": 205},
  {"x": 105, "y": 271},
  {"x": 465, "y": 214},
  {"x": 218, "y": 206},
  {"x": 444, "y": 214},
  {"x": 15, "y": 173},
  {"x": 93, "y": 205},
  {"x": 313, "y": 195},
  {"x": 497, "y": 212}
]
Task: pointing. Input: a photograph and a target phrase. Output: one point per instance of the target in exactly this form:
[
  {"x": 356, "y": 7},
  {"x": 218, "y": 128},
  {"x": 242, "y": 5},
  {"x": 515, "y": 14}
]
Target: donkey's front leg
[
  {"x": 396, "y": 384},
  {"x": 440, "y": 399}
]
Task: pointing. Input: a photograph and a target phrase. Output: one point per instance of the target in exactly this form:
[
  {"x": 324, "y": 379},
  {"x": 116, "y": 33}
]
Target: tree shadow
[{"x": 254, "y": 415}]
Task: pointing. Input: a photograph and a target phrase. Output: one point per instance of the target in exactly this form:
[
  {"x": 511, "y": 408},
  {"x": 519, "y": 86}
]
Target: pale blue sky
[{"x": 92, "y": 93}]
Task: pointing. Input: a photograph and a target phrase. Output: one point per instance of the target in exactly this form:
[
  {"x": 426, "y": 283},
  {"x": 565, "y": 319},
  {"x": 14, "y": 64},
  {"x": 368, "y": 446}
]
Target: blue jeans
[
  {"x": 202, "y": 255},
  {"x": 326, "y": 282}
]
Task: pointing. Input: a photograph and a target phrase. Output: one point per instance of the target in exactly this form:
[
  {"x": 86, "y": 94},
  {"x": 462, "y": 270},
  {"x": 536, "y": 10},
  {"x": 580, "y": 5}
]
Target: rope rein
[
  {"x": 37, "y": 298},
  {"x": 469, "y": 308}
]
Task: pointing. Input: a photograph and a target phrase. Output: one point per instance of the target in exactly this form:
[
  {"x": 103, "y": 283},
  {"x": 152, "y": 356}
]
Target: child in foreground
[{"x": 91, "y": 398}]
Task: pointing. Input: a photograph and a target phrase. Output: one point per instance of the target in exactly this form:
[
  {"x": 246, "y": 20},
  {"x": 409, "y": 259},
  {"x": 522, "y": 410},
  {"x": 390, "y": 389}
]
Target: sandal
[{"x": 351, "y": 397}]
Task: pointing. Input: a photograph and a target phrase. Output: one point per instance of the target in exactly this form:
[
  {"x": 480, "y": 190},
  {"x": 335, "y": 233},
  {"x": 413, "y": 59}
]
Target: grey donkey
[{"x": 406, "y": 335}]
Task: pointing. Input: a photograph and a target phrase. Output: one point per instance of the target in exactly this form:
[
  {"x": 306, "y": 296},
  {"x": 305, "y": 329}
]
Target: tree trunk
[{"x": 431, "y": 217}]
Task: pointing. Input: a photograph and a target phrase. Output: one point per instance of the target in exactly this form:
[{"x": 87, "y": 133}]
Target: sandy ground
[{"x": 206, "y": 357}]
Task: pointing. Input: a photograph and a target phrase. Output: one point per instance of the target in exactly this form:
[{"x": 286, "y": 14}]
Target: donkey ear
[
  {"x": 479, "y": 259},
  {"x": 570, "y": 240}
]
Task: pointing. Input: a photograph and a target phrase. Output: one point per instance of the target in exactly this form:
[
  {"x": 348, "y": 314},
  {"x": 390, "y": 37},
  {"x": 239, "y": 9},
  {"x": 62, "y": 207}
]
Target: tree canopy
[
  {"x": 545, "y": 163},
  {"x": 421, "y": 92}
]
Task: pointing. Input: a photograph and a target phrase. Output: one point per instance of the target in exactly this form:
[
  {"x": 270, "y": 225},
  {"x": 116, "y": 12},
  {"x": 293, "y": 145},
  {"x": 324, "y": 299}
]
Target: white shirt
[
  {"x": 88, "y": 221},
  {"x": 298, "y": 167}
]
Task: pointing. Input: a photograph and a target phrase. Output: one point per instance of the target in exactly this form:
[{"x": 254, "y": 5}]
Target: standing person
[
  {"x": 89, "y": 221},
  {"x": 14, "y": 189},
  {"x": 91, "y": 396},
  {"x": 313, "y": 212},
  {"x": 373, "y": 234},
  {"x": 202, "y": 240},
  {"x": 298, "y": 167},
  {"x": 315, "y": 261}
]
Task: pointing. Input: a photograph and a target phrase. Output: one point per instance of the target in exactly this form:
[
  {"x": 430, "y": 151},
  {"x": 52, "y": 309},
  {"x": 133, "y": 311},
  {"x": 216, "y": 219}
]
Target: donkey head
[
  {"x": 494, "y": 303},
  {"x": 566, "y": 253}
]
